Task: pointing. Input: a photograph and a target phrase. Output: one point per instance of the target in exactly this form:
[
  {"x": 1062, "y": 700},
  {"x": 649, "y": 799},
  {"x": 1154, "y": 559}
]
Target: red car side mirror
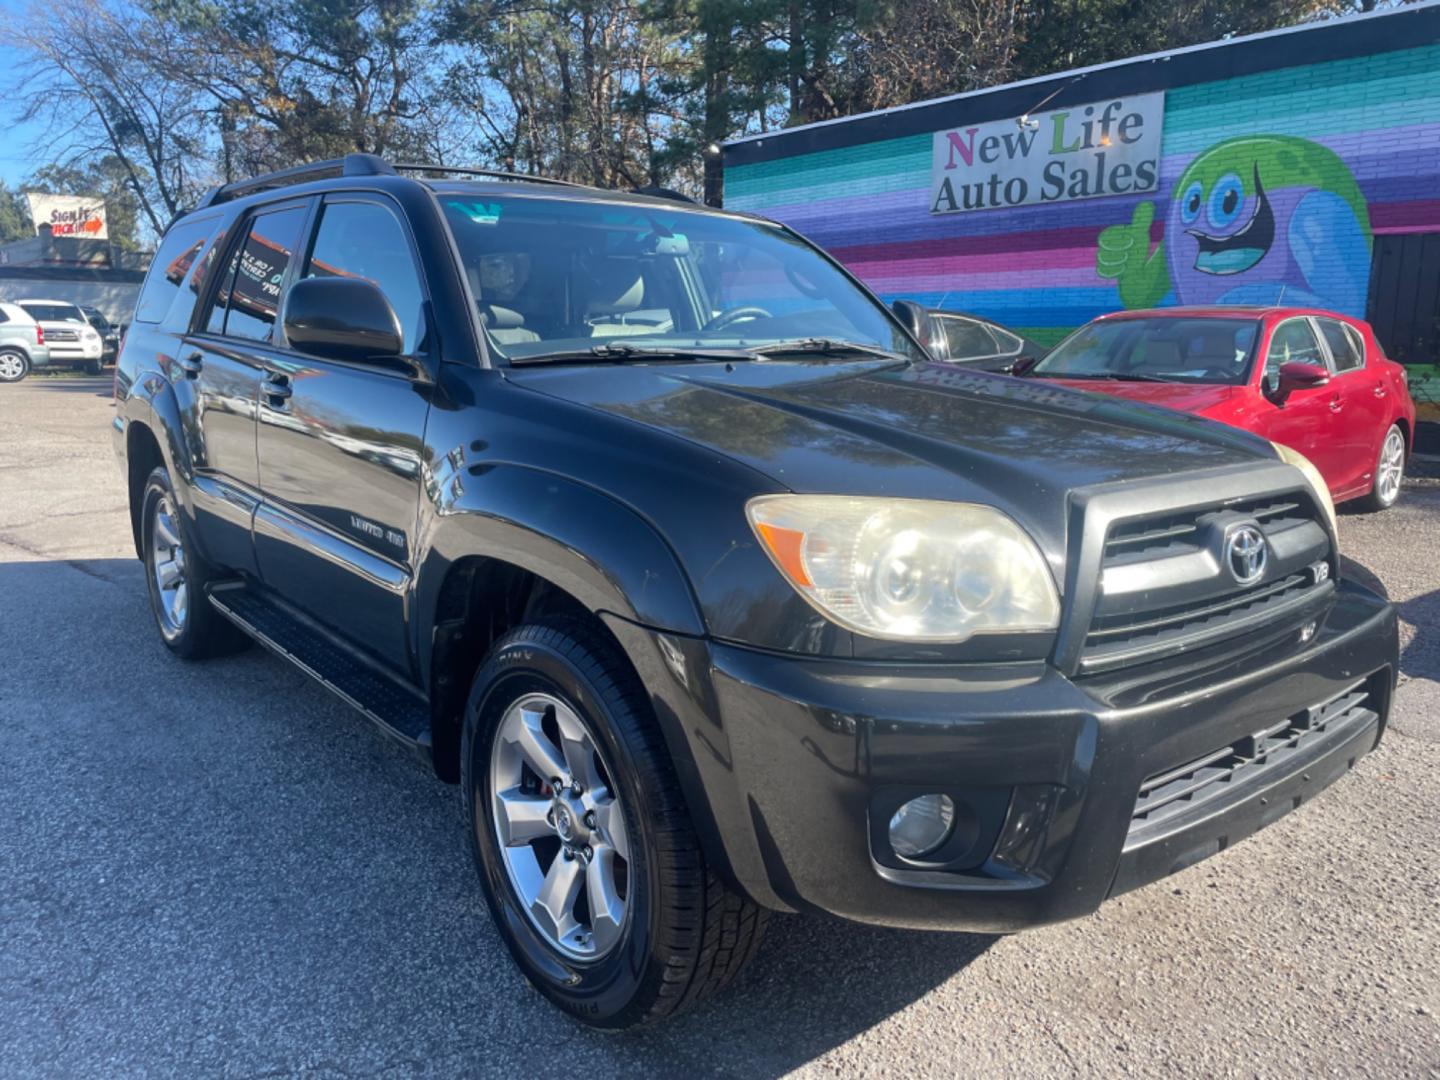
[{"x": 1297, "y": 375}]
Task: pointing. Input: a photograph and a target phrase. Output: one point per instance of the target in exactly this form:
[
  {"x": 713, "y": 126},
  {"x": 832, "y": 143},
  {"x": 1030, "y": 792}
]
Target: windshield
[
  {"x": 1171, "y": 349},
  {"x": 572, "y": 278},
  {"x": 54, "y": 312}
]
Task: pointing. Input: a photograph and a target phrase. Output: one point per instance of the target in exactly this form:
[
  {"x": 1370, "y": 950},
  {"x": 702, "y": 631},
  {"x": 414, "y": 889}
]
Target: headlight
[
  {"x": 908, "y": 569},
  {"x": 1316, "y": 481}
]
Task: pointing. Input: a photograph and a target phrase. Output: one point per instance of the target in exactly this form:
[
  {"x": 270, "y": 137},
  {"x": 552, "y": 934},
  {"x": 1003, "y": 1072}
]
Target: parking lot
[{"x": 218, "y": 869}]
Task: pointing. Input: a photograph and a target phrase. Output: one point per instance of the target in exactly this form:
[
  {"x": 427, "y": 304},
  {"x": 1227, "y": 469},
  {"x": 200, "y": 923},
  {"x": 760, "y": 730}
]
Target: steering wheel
[{"x": 734, "y": 315}]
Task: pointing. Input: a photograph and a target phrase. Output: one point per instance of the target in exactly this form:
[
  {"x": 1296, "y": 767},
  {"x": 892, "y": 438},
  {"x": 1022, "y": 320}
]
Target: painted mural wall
[{"x": 1272, "y": 189}]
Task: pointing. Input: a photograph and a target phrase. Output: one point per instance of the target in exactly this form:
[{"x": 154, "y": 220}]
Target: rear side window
[
  {"x": 1344, "y": 343},
  {"x": 172, "y": 262},
  {"x": 249, "y": 294},
  {"x": 4, "y": 315}
]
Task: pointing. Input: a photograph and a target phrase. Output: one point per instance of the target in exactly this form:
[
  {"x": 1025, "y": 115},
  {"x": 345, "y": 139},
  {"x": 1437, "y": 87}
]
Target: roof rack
[
  {"x": 349, "y": 165},
  {"x": 497, "y": 174},
  {"x": 354, "y": 165}
]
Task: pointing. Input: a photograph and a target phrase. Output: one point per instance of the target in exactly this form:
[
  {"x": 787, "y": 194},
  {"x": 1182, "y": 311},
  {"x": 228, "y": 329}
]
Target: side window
[
  {"x": 965, "y": 339},
  {"x": 4, "y": 315},
  {"x": 365, "y": 240},
  {"x": 172, "y": 262},
  {"x": 1345, "y": 345},
  {"x": 1008, "y": 342},
  {"x": 1292, "y": 341},
  {"x": 249, "y": 294}
]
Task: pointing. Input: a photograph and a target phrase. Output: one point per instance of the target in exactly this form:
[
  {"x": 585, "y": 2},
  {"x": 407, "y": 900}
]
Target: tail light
[{"x": 39, "y": 334}]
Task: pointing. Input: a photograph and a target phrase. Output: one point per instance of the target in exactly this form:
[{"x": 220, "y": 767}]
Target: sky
[{"x": 15, "y": 140}]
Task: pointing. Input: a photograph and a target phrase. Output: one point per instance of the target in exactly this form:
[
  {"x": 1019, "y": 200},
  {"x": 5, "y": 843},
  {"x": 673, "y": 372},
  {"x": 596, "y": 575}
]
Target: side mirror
[
  {"x": 342, "y": 318},
  {"x": 1297, "y": 375},
  {"x": 1022, "y": 365},
  {"x": 915, "y": 318}
]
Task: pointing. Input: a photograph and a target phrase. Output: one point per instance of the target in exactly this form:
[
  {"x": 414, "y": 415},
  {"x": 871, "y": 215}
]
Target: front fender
[{"x": 601, "y": 552}]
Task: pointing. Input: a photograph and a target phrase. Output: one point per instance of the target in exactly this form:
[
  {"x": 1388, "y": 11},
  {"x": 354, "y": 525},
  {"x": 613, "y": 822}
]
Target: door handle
[
  {"x": 191, "y": 364},
  {"x": 1380, "y": 391},
  {"x": 276, "y": 387},
  {"x": 1336, "y": 404}
]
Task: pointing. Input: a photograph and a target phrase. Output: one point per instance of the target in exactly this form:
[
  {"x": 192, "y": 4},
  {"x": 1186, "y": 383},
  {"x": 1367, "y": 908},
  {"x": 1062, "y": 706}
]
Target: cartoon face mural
[{"x": 1263, "y": 219}]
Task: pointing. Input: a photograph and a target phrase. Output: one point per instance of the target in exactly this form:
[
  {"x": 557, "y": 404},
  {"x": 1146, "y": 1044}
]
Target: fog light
[{"x": 921, "y": 825}]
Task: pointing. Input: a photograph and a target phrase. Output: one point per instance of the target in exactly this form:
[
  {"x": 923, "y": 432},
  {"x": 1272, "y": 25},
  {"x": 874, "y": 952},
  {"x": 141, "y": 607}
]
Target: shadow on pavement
[{"x": 217, "y": 867}]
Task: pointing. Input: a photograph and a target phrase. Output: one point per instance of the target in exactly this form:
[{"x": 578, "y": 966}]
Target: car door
[
  {"x": 223, "y": 361},
  {"x": 1364, "y": 405},
  {"x": 340, "y": 446},
  {"x": 1306, "y": 419}
]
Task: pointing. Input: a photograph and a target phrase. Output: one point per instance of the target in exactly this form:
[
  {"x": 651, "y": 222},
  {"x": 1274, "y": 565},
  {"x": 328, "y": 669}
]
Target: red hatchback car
[{"x": 1312, "y": 380}]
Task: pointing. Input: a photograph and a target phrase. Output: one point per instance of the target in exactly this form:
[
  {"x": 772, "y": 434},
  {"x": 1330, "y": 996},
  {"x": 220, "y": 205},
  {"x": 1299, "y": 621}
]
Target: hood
[
  {"x": 1184, "y": 397},
  {"x": 905, "y": 430}
]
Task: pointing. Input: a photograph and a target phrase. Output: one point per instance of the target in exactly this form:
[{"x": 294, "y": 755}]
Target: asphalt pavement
[{"x": 218, "y": 870}]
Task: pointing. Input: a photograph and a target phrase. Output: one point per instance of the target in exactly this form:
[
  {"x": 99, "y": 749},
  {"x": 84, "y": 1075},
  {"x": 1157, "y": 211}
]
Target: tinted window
[
  {"x": 1344, "y": 342},
  {"x": 249, "y": 293},
  {"x": 53, "y": 312},
  {"x": 365, "y": 240},
  {"x": 4, "y": 317},
  {"x": 172, "y": 262},
  {"x": 1292, "y": 342},
  {"x": 965, "y": 338}
]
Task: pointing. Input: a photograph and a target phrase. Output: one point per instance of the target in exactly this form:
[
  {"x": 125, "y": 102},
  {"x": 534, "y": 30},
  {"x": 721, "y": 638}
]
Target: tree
[
  {"x": 14, "y": 216},
  {"x": 96, "y": 73}
]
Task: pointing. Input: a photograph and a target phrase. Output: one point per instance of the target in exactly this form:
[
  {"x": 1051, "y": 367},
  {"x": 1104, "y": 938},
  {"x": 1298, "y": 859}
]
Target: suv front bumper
[{"x": 802, "y": 761}]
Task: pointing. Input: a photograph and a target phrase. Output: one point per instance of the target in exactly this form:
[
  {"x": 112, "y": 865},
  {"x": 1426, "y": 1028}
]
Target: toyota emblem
[{"x": 1247, "y": 553}]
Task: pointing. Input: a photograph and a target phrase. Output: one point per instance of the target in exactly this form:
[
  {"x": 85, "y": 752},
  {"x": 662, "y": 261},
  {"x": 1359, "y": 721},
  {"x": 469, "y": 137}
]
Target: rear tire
[
  {"x": 1389, "y": 472},
  {"x": 682, "y": 934},
  {"x": 14, "y": 365},
  {"x": 94, "y": 367},
  {"x": 176, "y": 576}
]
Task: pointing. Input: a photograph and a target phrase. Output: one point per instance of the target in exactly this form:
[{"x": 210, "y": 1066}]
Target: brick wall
[{"x": 1369, "y": 123}]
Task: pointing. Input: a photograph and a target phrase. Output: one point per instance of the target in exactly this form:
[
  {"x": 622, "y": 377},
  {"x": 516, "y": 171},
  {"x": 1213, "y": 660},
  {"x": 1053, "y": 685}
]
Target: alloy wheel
[
  {"x": 1392, "y": 467},
  {"x": 167, "y": 564},
  {"x": 560, "y": 827},
  {"x": 12, "y": 366}
]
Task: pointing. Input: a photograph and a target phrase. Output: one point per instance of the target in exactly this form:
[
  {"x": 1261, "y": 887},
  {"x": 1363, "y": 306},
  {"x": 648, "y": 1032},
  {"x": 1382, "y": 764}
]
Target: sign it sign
[
  {"x": 1104, "y": 148},
  {"x": 68, "y": 215}
]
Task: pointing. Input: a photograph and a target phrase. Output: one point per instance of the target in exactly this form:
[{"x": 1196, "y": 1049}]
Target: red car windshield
[{"x": 1173, "y": 349}]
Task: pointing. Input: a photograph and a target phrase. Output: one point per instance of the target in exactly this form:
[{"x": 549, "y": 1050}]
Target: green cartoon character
[{"x": 1260, "y": 219}]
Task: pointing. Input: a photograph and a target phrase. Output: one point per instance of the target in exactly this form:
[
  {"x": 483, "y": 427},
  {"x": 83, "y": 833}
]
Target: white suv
[
  {"x": 71, "y": 338},
  {"x": 22, "y": 343}
]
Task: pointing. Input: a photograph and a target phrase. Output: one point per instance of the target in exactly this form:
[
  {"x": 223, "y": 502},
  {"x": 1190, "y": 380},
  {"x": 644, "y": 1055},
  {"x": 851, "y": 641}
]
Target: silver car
[
  {"x": 69, "y": 335},
  {"x": 22, "y": 343}
]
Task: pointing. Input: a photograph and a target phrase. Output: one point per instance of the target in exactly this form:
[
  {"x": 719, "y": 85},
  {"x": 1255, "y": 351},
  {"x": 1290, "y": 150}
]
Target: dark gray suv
[{"x": 661, "y": 535}]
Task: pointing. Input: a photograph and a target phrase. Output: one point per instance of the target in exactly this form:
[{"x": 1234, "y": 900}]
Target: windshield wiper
[
  {"x": 615, "y": 352},
  {"x": 825, "y": 347}
]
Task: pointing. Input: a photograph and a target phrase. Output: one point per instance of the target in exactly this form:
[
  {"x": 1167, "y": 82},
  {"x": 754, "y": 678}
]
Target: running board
[{"x": 397, "y": 709}]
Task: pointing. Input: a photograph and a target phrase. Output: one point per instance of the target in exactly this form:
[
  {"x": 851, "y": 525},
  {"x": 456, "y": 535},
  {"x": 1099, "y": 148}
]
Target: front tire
[
  {"x": 597, "y": 883},
  {"x": 14, "y": 365},
  {"x": 177, "y": 576},
  {"x": 1389, "y": 472},
  {"x": 94, "y": 367}
]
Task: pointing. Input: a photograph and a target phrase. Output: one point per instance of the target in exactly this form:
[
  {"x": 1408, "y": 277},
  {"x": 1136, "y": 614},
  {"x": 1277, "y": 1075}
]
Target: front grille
[
  {"x": 1219, "y": 778},
  {"x": 1166, "y": 588}
]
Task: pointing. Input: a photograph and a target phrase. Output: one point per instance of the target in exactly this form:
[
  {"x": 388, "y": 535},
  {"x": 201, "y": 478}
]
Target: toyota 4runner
[{"x": 657, "y": 533}]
